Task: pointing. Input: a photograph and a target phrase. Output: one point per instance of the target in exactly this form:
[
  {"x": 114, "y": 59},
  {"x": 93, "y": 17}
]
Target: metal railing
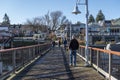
[
  {"x": 105, "y": 34},
  {"x": 14, "y": 59},
  {"x": 104, "y": 61}
]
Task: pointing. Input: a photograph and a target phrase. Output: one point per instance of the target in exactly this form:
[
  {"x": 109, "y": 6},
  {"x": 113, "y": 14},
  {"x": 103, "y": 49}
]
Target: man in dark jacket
[{"x": 74, "y": 45}]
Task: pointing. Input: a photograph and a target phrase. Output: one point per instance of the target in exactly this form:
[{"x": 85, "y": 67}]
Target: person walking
[
  {"x": 65, "y": 43},
  {"x": 73, "y": 46},
  {"x": 53, "y": 44},
  {"x": 59, "y": 43}
]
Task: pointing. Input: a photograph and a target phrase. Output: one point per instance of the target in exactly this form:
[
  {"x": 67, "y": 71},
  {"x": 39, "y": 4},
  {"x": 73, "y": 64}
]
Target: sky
[{"x": 21, "y": 10}]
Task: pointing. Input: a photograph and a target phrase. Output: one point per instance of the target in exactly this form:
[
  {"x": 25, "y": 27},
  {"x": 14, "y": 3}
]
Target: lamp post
[
  {"x": 76, "y": 11},
  {"x": 70, "y": 30},
  {"x": 69, "y": 25}
]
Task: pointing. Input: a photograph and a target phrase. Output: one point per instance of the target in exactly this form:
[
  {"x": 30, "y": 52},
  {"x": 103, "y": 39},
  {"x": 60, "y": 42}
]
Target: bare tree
[
  {"x": 64, "y": 20},
  {"x": 37, "y": 24},
  {"x": 46, "y": 19},
  {"x": 55, "y": 16},
  {"x": 50, "y": 20}
]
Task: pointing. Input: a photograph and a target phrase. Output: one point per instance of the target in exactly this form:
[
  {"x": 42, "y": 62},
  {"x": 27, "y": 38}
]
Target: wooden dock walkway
[{"x": 54, "y": 66}]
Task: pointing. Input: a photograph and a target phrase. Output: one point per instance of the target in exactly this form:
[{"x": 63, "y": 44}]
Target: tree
[
  {"x": 100, "y": 16},
  {"x": 36, "y": 24},
  {"x": 57, "y": 19},
  {"x": 64, "y": 20},
  {"x": 51, "y": 20},
  {"x": 55, "y": 16},
  {"x": 6, "y": 20},
  {"x": 91, "y": 19},
  {"x": 46, "y": 19}
]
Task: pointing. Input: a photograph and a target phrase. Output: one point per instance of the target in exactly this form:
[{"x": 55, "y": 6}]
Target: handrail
[
  {"x": 24, "y": 47},
  {"x": 108, "y": 51},
  {"x": 106, "y": 62},
  {"x": 103, "y": 50}
]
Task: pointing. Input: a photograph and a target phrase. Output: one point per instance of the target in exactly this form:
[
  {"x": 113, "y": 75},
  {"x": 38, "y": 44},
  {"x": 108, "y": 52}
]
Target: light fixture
[{"x": 76, "y": 10}]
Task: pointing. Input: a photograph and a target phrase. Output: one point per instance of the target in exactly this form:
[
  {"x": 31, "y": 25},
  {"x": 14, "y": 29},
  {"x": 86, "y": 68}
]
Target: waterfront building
[
  {"x": 5, "y": 37},
  {"x": 103, "y": 31}
]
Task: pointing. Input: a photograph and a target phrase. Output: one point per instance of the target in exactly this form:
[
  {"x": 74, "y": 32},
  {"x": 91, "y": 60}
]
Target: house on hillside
[
  {"x": 5, "y": 36},
  {"x": 4, "y": 31},
  {"x": 104, "y": 31},
  {"x": 39, "y": 36},
  {"x": 75, "y": 29},
  {"x": 116, "y": 21},
  {"x": 16, "y": 29},
  {"x": 95, "y": 28},
  {"x": 65, "y": 31},
  {"x": 29, "y": 30},
  {"x": 60, "y": 32}
]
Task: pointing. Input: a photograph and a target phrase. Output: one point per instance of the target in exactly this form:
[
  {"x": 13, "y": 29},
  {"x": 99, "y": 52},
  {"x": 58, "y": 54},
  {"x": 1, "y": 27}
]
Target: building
[
  {"x": 106, "y": 32},
  {"x": 39, "y": 36},
  {"x": 5, "y": 37},
  {"x": 103, "y": 31},
  {"x": 75, "y": 29}
]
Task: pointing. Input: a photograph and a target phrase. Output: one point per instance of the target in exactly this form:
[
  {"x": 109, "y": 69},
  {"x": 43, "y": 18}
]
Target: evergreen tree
[
  {"x": 6, "y": 20},
  {"x": 91, "y": 19},
  {"x": 100, "y": 16}
]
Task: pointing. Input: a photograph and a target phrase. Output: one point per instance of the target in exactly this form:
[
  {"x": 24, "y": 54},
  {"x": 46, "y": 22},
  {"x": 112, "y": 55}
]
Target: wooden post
[
  {"x": 1, "y": 67},
  {"x": 29, "y": 54},
  {"x": 90, "y": 56},
  {"x": 98, "y": 57},
  {"x": 110, "y": 65},
  {"x": 14, "y": 60}
]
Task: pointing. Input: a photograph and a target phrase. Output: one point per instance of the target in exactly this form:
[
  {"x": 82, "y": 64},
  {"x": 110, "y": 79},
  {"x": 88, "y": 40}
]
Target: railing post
[
  {"x": 23, "y": 57},
  {"x": 81, "y": 52},
  {"x": 90, "y": 56},
  {"x": 33, "y": 52},
  {"x": 1, "y": 66},
  {"x": 39, "y": 50},
  {"x": 110, "y": 65},
  {"x": 98, "y": 56},
  {"x": 14, "y": 60},
  {"x": 29, "y": 54}
]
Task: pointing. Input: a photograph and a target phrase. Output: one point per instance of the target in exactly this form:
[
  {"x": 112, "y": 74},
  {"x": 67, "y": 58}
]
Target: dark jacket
[
  {"x": 74, "y": 45},
  {"x": 65, "y": 42},
  {"x": 53, "y": 43}
]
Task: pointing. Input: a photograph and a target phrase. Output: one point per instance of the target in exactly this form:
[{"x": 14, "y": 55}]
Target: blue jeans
[
  {"x": 65, "y": 45},
  {"x": 72, "y": 57}
]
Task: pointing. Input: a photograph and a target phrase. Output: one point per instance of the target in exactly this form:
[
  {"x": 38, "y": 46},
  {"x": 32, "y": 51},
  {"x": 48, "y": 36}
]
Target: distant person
[
  {"x": 53, "y": 43},
  {"x": 73, "y": 46},
  {"x": 59, "y": 43},
  {"x": 65, "y": 43}
]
